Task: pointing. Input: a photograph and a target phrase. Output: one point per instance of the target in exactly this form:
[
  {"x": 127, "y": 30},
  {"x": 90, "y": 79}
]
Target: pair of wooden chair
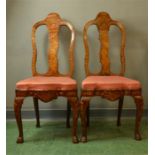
[{"x": 52, "y": 84}]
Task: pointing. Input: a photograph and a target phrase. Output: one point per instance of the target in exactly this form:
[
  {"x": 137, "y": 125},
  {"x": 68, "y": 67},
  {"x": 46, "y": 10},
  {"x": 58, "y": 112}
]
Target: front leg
[
  {"x": 84, "y": 103},
  {"x": 75, "y": 109},
  {"x": 139, "y": 111},
  {"x": 17, "y": 109}
]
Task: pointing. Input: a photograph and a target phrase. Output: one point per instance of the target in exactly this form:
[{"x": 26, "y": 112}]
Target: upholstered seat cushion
[
  {"x": 110, "y": 83},
  {"x": 46, "y": 83}
]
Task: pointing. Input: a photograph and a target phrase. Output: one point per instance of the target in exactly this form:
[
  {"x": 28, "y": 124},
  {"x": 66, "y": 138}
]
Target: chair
[
  {"x": 52, "y": 84},
  {"x": 106, "y": 84}
]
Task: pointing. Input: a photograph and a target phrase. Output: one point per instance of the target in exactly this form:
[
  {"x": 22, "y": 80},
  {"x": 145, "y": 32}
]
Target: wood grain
[
  {"x": 103, "y": 22},
  {"x": 53, "y": 22}
]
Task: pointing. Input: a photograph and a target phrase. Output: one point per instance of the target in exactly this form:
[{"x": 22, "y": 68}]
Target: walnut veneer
[
  {"x": 53, "y": 22},
  {"x": 103, "y": 22}
]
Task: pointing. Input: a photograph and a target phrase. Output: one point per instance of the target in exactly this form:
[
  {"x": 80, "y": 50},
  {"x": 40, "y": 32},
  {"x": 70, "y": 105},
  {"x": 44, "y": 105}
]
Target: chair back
[
  {"x": 53, "y": 22},
  {"x": 103, "y": 22}
]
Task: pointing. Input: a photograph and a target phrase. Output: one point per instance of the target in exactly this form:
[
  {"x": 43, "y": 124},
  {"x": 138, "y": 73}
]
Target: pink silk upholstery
[
  {"x": 47, "y": 83},
  {"x": 110, "y": 83}
]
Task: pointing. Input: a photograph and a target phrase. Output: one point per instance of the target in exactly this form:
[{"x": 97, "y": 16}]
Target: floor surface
[{"x": 53, "y": 138}]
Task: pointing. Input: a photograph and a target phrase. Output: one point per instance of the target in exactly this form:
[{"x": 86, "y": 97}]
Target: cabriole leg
[
  {"x": 75, "y": 109},
  {"x": 83, "y": 113},
  {"x": 17, "y": 109},
  {"x": 139, "y": 111}
]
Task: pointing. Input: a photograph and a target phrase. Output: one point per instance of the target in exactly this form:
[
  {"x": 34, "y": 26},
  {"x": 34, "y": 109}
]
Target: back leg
[
  {"x": 120, "y": 105},
  {"x": 68, "y": 114},
  {"x": 36, "y": 108},
  {"x": 88, "y": 112}
]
